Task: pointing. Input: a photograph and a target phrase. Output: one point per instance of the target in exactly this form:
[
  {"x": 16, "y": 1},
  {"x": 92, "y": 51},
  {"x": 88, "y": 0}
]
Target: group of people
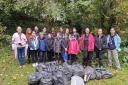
[{"x": 43, "y": 46}]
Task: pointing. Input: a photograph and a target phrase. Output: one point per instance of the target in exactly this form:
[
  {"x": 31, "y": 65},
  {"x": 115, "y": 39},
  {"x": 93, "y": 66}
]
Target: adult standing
[
  {"x": 28, "y": 34},
  {"x": 113, "y": 42},
  {"x": 100, "y": 47},
  {"x": 87, "y": 45},
  {"x": 18, "y": 44}
]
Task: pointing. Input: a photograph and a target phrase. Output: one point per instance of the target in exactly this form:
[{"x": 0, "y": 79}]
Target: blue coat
[
  {"x": 117, "y": 41},
  {"x": 42, "y": 44},
  {"x": 31, "y": 44}
]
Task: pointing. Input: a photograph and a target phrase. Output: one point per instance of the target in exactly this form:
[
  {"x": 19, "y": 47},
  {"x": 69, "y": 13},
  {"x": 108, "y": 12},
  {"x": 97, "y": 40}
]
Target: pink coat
[
  {"x": 90, "y": 42},
  {"x": 73, "y": 47}
]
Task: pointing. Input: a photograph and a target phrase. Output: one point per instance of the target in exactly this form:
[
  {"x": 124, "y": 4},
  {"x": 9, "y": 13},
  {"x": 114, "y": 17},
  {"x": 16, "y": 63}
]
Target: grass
[{"x": 11, "y": 74}]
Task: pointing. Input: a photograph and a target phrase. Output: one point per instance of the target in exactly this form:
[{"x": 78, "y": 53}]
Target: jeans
[
  {"x": 113, "y": 54},
  {"x": 21, "y": 55},
  {"x": 99, "y": 57},
  {"x": 42, "y": 56},
  {"x": 50, "y": 55}
]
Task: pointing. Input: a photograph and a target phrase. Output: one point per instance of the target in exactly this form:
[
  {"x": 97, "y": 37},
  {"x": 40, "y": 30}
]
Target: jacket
[
  {"x": 117, "y": 41},
  {"x": 50, "y": 44},
  {"x": 57, "y": 45},
  {"x": 64, "y": 44},
  {"x": 73, "y": 47},
  {"x": 34, "y": 45},
  {"x": 102, "y": 43},
  {"x": 42, "y": 44},
  {"x": 90, "y": 42}
]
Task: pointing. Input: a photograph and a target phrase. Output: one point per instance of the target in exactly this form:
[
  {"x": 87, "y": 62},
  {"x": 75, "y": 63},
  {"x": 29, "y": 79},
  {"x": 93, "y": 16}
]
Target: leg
[
  {"x": 36, "y": 55},
  {"x": 110, "y": 57},
  {"x": 85, "y": 58},
  {"x": 23, "y": 56},
  {"x": 97, "y": 58},
  {"x": 90, "y": 54},
  {"x": 40, "y": 56},
  {"x": 19, "y": 55},
  {"x": 115, "y": 56},
  {"x": 101, "y": 54},
  {"x": 32, "y": 54}
]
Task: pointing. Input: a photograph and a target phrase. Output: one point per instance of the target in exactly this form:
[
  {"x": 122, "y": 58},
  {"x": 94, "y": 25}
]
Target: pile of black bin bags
[{"x": 54, "y": 74}]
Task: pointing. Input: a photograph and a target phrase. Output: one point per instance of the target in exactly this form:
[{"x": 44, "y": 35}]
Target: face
[
  {"x": 58, "y": 34},
  {"x": 44, "y": 29},
  {"x": 29, "y": 30},
  {"x": 74, "y": 29},
  {"x": 112, "y": 31},
  {"x": 100, "y": 31},
  {"x": 19, "y": 29},
  {"x": 36, "y": 28},
  {"x": 61, "y": 29},
  {"x": 67, "y": 30},
  {"x": 49, "y": 35},
  {"x": 33, "y": 33},
  {"x": 87, "y": 30}
]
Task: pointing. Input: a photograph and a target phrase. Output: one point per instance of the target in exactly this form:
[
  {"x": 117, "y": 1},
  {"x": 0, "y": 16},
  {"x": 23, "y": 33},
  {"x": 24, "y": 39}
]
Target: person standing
[
  {"x": 50, "y": 47},
  {"x": 73, "y": 49},
  {"x": 76, "y": 33},
  {"x": 28, "y": 34},
  {"x": 42, "y": 48},
  {"x": 100, "y": 47},
  {"x": 64, "y": 45},
  {"x": 57, "y": 48},
  {"x": 34, "y": 46},
  {"x": 87, "y": 45},
  {"x": 19, "y": 41},
  {"x": 113, "y": 43}
]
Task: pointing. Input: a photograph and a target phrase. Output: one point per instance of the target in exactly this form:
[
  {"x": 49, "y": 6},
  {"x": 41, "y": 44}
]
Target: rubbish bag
[
  {"x": 67, "y": 70},
  {"x": 46, "y": 78},
  {"x": 89, "y": 73},
  {"x": 59, "y": 78},
  {"x": 102, "y": 73},
  {"x": 78, "y": 70},
  {"x": 34, "y": 78},
  {"x": 76, "y": 80},
  {"x": 65, "y": 56}
]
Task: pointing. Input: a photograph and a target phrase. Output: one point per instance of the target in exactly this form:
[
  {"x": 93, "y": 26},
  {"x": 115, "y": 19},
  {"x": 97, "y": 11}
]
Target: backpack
[{"x": 76, "y": 80}]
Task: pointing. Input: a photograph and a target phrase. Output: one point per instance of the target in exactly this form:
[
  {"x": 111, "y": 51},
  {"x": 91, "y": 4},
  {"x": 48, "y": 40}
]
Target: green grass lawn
[{"x": 11, "y": 74}]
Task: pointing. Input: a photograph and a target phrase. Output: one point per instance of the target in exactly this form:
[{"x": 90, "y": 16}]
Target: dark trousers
[
  {"x": 42, "y": 57},
  {"x": 28, "y": 54},
  {"x": 21, "y": 55},
  {"x": 34, "y": 56},
  {"x": 87, "y": 60},
  {"x": 73, "y": 58},
  {"x": 58, "y": 56},
  {"x": 99, "y": 56},
  {"x": 50, "y": 55}
]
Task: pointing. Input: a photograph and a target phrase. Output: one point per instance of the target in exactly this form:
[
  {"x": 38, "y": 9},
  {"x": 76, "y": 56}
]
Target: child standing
[
  {"x": 42, "y": 48},
  {"x": 57, "y": 48},
  {"x": 34, "y": 46},
  {"x": 73, "y": 49},
  {"x": 49, "y": 46}
]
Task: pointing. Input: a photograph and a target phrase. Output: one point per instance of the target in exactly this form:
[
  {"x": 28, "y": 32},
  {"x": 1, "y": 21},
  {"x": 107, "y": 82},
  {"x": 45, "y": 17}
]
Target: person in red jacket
[
  {"x": 87, "y": 45},
  {"x": 73, "y": 49}
]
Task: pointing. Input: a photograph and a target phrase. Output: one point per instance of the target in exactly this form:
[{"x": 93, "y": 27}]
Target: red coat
[
  {"x": 73, "y": 47},
  {"x": 90, "y": 42}
]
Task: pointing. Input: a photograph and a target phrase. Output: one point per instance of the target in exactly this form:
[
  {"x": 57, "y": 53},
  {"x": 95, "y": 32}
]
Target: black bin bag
[{"x": 34, "y": 78}]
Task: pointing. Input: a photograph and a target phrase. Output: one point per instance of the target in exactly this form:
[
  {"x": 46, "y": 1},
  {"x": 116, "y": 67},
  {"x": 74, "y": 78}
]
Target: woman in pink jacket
[
  {"x": 87, "y": 45},
  {"x": 73, "y": 49},
  {"x": 19, "y": 44}
]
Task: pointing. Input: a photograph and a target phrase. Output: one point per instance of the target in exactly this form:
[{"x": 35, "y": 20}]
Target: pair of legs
[
  {"x": 21, "y": 55},
  {"x": 58, "y": 57},
  {"x": 50, "y": 55},
  {"x": 34, "y": 56},
  {"x": 87, "y": 60},
  {"x": 99, "y": 57},
  {"x": 113, "y": 54},
  {"x": 73, "y": 58},
  {"x": 42, "y": 57}
]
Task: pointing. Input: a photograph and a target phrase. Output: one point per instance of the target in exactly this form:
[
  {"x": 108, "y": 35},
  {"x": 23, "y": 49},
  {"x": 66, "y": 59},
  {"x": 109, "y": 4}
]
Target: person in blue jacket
[
  {"x": 34, "y": 46},
  {"x": 42, "y": 48},
  {"x": 113, "y": 44}
]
